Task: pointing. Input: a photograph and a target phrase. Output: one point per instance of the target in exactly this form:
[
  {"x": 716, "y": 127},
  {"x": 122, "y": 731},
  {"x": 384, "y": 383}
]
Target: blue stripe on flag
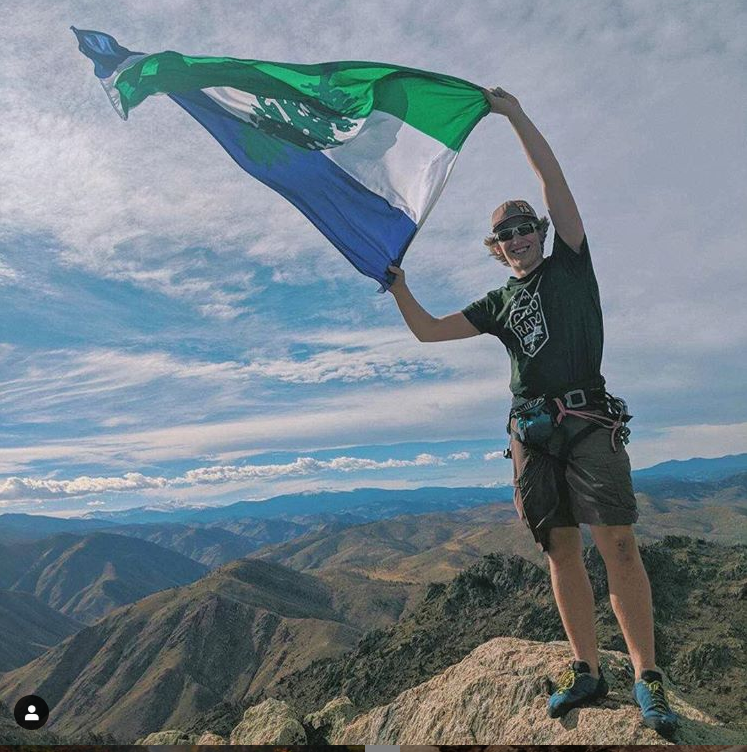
[{"x": 362, "y": 225}]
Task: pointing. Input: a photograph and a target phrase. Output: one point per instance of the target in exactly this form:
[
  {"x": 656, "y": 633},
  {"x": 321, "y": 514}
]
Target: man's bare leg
[
  {"x": 630, "y": 592},
  {"x": 573, "y": 593}
]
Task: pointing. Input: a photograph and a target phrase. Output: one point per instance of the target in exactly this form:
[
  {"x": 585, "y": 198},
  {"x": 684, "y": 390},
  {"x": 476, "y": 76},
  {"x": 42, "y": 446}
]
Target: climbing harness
[{"x": 538, "y": 419}]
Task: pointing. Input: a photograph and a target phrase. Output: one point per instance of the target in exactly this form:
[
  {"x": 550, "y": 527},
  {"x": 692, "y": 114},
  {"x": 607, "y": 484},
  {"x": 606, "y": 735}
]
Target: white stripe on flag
[{"x": 398, "y": 162}]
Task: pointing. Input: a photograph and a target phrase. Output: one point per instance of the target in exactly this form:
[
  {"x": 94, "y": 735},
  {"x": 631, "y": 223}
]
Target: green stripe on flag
[
  {"x": 446, "y": 109},
  {"x": 443, "y": 107}
]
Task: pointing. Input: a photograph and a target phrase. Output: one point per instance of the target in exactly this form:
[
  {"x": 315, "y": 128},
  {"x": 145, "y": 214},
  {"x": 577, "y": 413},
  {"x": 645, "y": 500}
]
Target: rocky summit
[{"x": 496, "y": 695}]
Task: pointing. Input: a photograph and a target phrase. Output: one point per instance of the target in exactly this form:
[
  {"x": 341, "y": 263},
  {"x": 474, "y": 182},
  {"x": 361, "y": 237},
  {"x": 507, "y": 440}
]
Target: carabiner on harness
[{"x": 616, "y": 418}]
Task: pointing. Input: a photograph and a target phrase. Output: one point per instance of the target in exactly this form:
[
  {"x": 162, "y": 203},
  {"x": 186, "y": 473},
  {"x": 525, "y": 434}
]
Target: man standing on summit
[{"x": 567, "y": 433}]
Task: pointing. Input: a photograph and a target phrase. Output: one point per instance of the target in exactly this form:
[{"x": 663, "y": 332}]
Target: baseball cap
[{"x": 510, "y": 209}]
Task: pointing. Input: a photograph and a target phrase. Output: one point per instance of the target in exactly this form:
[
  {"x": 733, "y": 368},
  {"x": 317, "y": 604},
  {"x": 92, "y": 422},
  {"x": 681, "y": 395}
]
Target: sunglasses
[{"x": 525, "y": 229}]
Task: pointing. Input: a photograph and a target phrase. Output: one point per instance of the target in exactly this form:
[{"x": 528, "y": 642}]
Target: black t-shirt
[{"x": 550, "y": 322}]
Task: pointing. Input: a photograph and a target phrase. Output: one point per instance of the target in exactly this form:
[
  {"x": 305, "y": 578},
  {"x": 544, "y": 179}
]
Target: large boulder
[
  {"x": 211, "y": 739},
  {"x": 331, "y": 720},
  {"x": 169, "y": 736},
  {"x": 270, "y": 722},
  {"x": 497, "y": 695}
]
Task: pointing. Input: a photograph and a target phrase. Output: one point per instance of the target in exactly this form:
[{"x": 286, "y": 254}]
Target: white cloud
[
  {"x": 28, "y": 488},
  {"x": 16, "y": 489},
  {"x": 360, "y": 365},
  {"x": 43, "y": 385},
  {"x": 8, "y": 275},
  {"x": 377, "y": 412}
]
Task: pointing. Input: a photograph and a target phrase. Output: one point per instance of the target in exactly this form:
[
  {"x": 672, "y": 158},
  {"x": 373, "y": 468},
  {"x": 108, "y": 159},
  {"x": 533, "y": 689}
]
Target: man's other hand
[
  {"x": 501, "y": 101},
  {"x": 399, "y": 279}
]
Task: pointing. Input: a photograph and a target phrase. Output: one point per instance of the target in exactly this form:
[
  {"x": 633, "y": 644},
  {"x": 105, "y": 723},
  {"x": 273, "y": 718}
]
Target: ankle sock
[
  {"x": 582, "y": 667},
  {"x": 651, "y": 676}
]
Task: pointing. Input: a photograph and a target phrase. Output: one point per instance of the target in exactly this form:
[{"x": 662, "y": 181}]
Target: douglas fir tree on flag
[{"x": 362, "y": 149}]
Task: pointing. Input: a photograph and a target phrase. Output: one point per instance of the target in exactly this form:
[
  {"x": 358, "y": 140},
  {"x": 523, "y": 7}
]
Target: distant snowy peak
[{"x": 163, "y": 508}]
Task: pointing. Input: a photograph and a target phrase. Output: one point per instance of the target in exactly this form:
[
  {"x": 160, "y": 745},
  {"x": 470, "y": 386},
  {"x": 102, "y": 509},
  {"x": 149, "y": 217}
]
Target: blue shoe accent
[
  {"x": 648, "y": 693},
  {"x": 576, "y": 687}
]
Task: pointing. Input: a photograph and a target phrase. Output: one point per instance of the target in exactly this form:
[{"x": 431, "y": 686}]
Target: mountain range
[
  {"x": 689, "y": 478},
  {"x": 361, "y": 503},
  {"x": 130, "y": 627}
]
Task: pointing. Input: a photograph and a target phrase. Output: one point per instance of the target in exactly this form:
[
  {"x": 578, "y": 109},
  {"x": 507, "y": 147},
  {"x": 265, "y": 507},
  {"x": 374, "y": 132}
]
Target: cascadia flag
[{"x": 362, "y": 149}]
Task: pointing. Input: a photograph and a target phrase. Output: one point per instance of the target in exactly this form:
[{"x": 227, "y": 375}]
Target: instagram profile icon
[{"x": 31, "y": 712}]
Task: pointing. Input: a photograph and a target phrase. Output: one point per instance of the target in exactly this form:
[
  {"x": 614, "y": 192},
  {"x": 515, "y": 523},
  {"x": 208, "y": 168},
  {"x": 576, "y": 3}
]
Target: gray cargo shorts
[{"x": 592, "y": 485}]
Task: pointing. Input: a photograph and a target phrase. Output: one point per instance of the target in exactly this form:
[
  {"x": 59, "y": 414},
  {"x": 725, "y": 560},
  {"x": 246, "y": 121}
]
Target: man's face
[{"x": 523, "y": 252}]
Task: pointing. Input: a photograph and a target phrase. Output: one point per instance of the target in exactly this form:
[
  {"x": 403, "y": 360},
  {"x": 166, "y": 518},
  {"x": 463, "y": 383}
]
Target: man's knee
[
  {"x": 616, "y": 544},
  {"x": 565, "y": 546}
]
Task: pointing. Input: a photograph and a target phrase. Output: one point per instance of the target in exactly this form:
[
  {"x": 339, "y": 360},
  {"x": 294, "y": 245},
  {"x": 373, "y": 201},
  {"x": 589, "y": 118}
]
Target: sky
[{"x": 174, "y": 332}]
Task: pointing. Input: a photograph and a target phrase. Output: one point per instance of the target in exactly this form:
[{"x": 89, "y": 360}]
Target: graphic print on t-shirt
[{"x": 527, "y": 321}]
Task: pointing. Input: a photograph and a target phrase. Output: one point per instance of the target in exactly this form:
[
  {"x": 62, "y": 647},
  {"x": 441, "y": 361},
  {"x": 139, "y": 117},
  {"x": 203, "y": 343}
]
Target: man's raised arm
[
  {"x": 558, "y": 197},
  {"x": 425, "y": 327}
]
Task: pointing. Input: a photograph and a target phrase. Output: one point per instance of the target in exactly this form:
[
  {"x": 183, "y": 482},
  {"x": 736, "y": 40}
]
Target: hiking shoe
[
  {"x": 648, "y": 693},
  {"x": 576, "y": 686}
]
